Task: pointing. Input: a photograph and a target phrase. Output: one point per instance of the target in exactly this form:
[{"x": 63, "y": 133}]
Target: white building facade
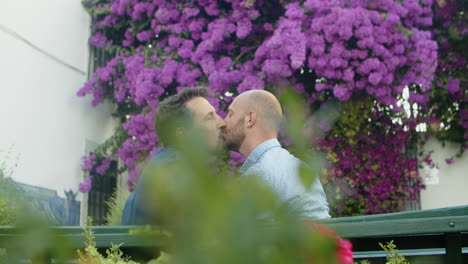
[{"x": 43, "y": 62}]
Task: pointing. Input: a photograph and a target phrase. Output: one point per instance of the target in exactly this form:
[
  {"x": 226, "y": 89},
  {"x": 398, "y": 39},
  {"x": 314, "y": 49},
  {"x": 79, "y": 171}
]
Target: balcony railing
[{"x": 439, "y": 234}]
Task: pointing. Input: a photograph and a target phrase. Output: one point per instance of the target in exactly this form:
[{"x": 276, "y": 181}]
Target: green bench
[{"x": 438, "y": 232}]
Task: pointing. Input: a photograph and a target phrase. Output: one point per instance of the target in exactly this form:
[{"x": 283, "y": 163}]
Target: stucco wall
[
  {"x": 451, "y": 189},
  {"x": 41, "y": 116}
]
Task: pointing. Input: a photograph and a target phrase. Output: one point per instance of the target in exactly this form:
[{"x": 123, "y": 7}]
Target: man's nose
[{"x": 221, "y": 122}]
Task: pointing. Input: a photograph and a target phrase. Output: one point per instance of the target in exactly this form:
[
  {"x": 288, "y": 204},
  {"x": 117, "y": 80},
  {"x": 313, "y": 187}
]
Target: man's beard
[
  {"x": 234, "y": 137},
  {"x": 221, "y": 144}
]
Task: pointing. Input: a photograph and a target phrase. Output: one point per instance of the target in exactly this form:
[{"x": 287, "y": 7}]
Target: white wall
[
  {"x": 451, "y": 189},
  {"x": 40, "y": 112}
]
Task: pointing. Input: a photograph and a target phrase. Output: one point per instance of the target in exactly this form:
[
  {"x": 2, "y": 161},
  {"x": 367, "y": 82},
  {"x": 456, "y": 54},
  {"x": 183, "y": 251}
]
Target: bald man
[{"x": 251, "y": 128}]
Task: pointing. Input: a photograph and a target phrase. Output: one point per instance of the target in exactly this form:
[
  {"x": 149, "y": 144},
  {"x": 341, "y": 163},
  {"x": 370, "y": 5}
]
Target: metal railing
[{"x": 440, "y": 234}]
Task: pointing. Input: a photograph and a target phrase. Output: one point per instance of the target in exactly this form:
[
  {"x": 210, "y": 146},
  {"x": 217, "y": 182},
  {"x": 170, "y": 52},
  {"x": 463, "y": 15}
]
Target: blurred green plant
[
  {"x": 393, "y": 256},
  {"x": 34, "y": 241},
  {"x": 363, "y": 262},
  {"x": 116, "y": 204},
  {"x": 7, "y": 212},
  {"x": 163, "y": 259},
  {"x": 8, "y": 208},
  {"x": 91, "y": 255},
  {"x": 8, "y": 161}
]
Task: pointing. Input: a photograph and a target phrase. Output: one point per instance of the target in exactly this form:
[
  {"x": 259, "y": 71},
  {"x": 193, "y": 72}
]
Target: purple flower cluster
[
  {"x": 101, "y": 85},
  {"x": 235, "y": 160},
  {"x": 86, "y": 186},
  {"x": 88, "y": 162},
  {"x": 133, "y": 177},
  {"x": 449, "y": 94},
  {"x": 142, "y": 139},
  {"x": 105, "y": 164},
  {"x": 371, "y": 175},
  {"x": 350, "y": 44},
  {"x": 358, "y": 49},
  {"x": 92, "y": 166},
  {"x": 99, "y": 40},
  {"x": 349, "y": 48}
]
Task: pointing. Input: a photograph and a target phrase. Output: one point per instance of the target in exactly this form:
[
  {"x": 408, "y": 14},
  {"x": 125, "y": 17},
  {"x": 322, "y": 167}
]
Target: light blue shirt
[{"x": 279, "y": 170}]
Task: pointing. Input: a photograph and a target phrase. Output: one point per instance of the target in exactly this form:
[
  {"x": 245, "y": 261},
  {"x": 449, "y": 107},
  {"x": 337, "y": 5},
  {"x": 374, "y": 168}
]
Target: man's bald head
[
  {"x": 267, "y": 107},
  {"x": 253, "y": 117}
]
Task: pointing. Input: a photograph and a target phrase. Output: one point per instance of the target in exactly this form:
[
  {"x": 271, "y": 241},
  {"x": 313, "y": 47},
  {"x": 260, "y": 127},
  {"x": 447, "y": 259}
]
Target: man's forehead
[
  {"x": 200, "y": 107},
  {"x": 238, "y": 102}
]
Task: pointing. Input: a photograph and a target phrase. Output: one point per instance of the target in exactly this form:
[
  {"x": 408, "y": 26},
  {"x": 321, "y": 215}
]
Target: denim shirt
[
  {"x": 134, "y": 210},
  {"x": 279, "y": 170}
]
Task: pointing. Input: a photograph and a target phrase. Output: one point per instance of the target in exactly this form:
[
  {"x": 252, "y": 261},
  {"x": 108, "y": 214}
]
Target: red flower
[{"x": 343, "y": 252}]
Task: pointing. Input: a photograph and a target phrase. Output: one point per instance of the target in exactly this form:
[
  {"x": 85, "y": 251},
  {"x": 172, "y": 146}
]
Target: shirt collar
[{"x": 258, "y": 152}]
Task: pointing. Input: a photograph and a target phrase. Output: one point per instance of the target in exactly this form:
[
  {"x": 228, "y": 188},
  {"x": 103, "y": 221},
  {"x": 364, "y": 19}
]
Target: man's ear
[{"x": 250, "y": 119}]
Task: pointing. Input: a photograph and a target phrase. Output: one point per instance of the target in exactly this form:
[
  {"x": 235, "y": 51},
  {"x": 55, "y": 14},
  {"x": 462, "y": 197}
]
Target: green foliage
[
  {"x": 449, "y": 106},
  {"x": 448, "y": 123},
  {"x": 354, "y": 119},
  {"x": 393, "y": 257},
  {"x": 35, "y": 241},
  {"x": 91, "y": 255},
  {"x": 13, "y": 203},
  {"x": 8, "y": 162},
  {"x": 3, "y": 256},
  {"x": 111, "y": 145},
  {"x": 163, "y": 259},
  {"x": 362, "y": 262},
  {"x": 7, "y": 212},
  {"x": 8, "y": 201},
  {"x": 8, "y": 207},
  {"x": 116, "y": 205}
]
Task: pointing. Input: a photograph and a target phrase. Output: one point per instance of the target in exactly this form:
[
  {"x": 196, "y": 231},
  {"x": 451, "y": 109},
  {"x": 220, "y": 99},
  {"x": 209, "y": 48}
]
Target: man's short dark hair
[{"x": 173, "y": 113}]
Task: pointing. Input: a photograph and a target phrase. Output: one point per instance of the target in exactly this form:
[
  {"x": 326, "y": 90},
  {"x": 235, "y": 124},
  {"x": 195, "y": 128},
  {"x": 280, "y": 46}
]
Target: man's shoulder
[
  {"x": 164, "y": 155},
  {"x": 279, "y": 157},
  {"x": 275, "y": 161}
]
